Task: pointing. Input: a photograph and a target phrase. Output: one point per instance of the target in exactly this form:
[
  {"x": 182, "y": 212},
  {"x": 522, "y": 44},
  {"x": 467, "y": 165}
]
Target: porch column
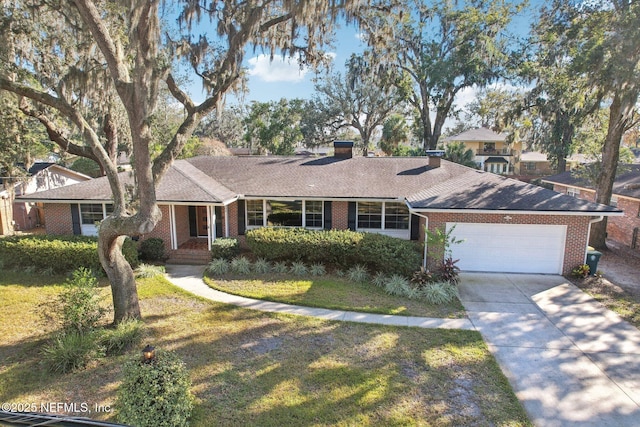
[
  {"x": 172, "y": 227},
  {"x": 212, "y": 224},
  {"x": 209, "y": 233},
  {"x": 226, "y": 220}
]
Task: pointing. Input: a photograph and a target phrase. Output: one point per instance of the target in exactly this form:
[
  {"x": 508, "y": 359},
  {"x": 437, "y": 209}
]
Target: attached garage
[{"x": 512, "y": 248}]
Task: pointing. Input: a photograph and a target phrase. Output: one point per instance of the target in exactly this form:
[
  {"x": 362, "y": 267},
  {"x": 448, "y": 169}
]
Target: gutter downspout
[
  {"x": 426, "y": 227},
  {"x": 593, "y": 221}
]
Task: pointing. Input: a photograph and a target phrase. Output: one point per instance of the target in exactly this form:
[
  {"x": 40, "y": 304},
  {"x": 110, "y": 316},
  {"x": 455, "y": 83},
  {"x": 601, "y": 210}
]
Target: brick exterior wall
[
  {"x": 619, "y": 228},
  {"x": 622, "y": 228},
  {"x": 233, "y": 219},
  {"x": 183, "y": 232},
  {"x": 162, "y": 229},
  {"x": 57, "y": 218},
  {"x": 340, "y": 215}
]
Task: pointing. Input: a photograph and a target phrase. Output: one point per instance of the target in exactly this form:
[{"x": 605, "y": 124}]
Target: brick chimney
[
  {"x": 343, "y": 149},
  {"x": 434, "y": 157}
]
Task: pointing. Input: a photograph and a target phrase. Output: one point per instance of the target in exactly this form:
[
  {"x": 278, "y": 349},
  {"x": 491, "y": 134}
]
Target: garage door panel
[{"x": 514, "y": 248}]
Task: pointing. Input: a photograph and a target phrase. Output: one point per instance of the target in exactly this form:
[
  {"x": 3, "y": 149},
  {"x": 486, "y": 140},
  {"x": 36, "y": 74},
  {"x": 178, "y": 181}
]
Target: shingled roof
[
  {"x": 217, "y": 180},
  {"x": 626, "y": 184}
]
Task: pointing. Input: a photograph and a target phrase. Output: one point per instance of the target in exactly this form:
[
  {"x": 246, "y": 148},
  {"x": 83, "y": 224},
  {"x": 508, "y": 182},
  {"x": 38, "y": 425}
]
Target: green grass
[
  {"x": 251, "y": 368},
  {"x": 332, "y": 292}
]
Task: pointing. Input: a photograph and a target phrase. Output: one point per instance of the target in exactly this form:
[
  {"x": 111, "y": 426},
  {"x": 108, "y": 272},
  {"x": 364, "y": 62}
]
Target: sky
[{"x": 271, "y": 80}]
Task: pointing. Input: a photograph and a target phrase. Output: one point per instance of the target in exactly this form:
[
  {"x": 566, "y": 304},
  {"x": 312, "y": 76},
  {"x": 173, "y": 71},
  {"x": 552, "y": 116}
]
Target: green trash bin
[{"x": 592, "y": 261}]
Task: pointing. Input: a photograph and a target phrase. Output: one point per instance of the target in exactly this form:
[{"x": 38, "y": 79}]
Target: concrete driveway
[{"x": 570, "y": 361}]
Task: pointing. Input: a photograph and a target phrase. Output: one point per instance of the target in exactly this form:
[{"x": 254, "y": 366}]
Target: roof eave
[{"x": 517, "y": 212}]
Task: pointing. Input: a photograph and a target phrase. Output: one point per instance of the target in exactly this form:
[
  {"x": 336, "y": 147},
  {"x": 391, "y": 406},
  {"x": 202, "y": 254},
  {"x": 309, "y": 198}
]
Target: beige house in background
[{"x": 492, "y": 152}]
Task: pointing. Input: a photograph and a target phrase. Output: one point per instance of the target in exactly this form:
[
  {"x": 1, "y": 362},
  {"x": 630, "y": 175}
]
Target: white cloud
[{"x": 279, "y": 69}]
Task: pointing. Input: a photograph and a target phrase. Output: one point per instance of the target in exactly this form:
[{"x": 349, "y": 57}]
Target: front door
[{"x": 202, "y": 222}]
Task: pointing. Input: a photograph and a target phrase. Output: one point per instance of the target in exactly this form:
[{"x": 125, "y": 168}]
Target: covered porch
[{"x": 193, "y": 228}]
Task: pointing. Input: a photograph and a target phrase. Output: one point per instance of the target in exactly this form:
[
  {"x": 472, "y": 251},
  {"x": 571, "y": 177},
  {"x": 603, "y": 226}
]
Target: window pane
[
  {"x": 313, "y": 214},
  {"x": 91, "y": 213},
  {"x": 369, "y": 215},
  {"x": 284, "y": 214},
  {"x": 396, "y": 216},
  {"x": 255, "y": 214}
]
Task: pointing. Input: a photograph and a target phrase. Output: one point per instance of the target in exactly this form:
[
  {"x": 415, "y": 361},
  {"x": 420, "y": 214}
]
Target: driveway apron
[{"x": 570, "y": 361}]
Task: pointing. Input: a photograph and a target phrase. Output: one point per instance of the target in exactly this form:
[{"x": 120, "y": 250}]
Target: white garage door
[{"x": 512, "y": 248}]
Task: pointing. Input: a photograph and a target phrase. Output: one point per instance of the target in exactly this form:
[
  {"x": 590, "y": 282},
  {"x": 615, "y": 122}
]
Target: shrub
[
  {"x": 423, "y": 277},
  {"x": 145, "y": 271},
  {"x": 358, "y": 273},
  {"x": 397, "y": 285},
  {"x": 218, "y": 266},
  {"x": 69, "y": 351},
  {"x": 449, "y": 271},
  {"x": 317, "y": 270},
  {"x": 298, "y": 269},
  {"x": 280, "y": 267},
  {"x": 439, "y": 292},
  {"x": 262, "y": 266},
  {"x": 58, "y": 254},
  {"x": 225, "y": 247},
  {"x": 130, "y": 252},
  {"x": 241, "y": 265},
  {"x": 299, "y": 244},
  {"x": 388, "y": 254},
  {"x": 79, "y": 302},
  {"x": 155, "y": 394},
  {"x": 123, "y": 337},
  {"x": 379, "y": 279},
  {"x": 152, "y": 249},
  {"x": 339, "y": 247},
  {"x": 581, "y": 271}
]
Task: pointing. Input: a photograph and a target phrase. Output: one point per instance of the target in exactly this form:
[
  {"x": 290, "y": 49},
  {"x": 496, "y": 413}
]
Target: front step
[{"x": 189, "y": 256}]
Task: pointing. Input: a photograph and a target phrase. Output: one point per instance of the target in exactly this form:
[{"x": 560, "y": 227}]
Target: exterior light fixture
[{"x": 149, "y": 353}]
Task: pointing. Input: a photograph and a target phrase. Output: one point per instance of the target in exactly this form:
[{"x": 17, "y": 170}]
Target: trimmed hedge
[
  {"x": 225, "y": 247},
  {"x": 343, "y": 248},
  {"x": 57, "y": 254}
]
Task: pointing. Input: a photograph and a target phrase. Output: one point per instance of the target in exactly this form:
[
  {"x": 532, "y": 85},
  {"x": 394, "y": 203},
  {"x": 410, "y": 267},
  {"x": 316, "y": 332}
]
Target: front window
[
  {"x": 287, "y": 213},
  {"x": 255, "y": 213},
  {"x": 572, "y": 191},
  {"x": 614, "y": 201},
  {"x": 396, "y": 216},
  {"x": 313, "y": 214},
  {"x": 91, "y": 213},
  {"x": 369, "y": 215},
  {"x": 284, "y": 214}
]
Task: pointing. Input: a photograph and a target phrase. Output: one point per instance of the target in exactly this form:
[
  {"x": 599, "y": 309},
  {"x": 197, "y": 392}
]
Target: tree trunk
[
  {"x": 111, "y": 235},
  {"x": 120, "y": 274},
  {"x": 620, "y": 112},
  {"x": 6, "y": 209}
]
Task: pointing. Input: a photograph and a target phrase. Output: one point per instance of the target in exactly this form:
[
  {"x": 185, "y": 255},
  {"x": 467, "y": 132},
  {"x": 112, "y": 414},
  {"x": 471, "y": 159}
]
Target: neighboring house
[
  {"x": 492, "y": 152},
  {"x": 41, "y": 176},
  {"x": 507, "y": 225},
  {"x": 626, "y": 197},
  {"x": 535, "y": 164}
]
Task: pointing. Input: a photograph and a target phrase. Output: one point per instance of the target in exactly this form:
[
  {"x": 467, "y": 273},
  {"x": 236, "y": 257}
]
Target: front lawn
[
  {"x": 255, "y": 368},
  {"x": 331, "y": 292}
]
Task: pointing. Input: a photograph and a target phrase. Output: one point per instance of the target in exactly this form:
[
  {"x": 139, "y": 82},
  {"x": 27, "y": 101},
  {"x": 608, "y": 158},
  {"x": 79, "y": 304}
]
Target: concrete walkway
[
  {"x": 189, "y": 278},
  {"x": 570, "y": 361}
]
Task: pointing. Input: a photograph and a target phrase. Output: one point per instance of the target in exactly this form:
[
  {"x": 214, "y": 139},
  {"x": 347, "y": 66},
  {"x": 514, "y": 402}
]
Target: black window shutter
[
  {"x": 327, "y": 216},
  {"x": 193, "y": 226},
  {"x": 218, "y": 211},
  {"x": 75, "y": 219},
  {"x": 241, "y": 220},
  {"x": 352, "y": 214},
  {"x": 415, "y": 227}
]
